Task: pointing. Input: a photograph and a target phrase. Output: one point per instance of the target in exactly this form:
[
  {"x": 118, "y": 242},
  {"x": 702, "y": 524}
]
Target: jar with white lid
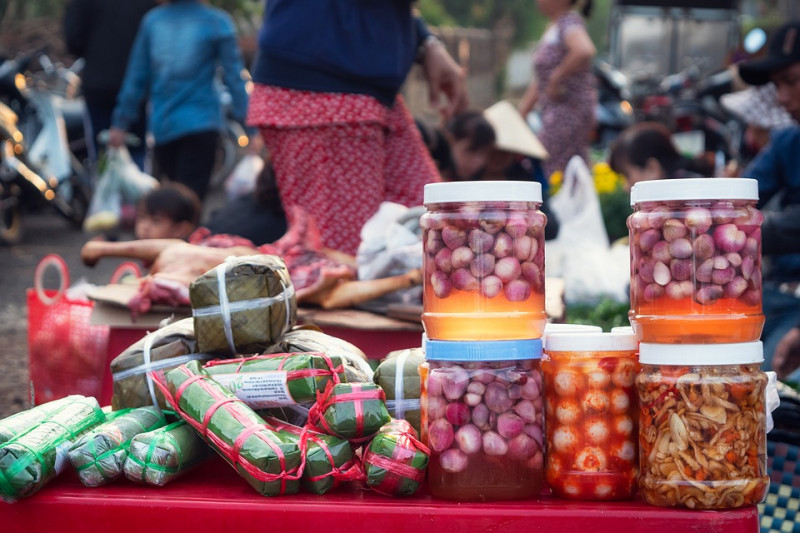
[
  {"x": 591, "y": 413},
  {"x": 483, "y": 265},
  {"x": 483, "y": 419},
  {"x": 550, "y": 329},
  {"x": 696, "y": 261},
  {"x": 702, "y": 427}
]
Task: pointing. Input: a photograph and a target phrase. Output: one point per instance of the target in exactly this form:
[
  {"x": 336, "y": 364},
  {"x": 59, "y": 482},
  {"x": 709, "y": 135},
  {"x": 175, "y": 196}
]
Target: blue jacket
[
  {"x": 178, "y": 50},
  {"x": 344, "y": 46}
]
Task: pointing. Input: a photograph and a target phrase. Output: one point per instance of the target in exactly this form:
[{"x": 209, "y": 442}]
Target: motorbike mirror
[{"x": 755, "y": 40}]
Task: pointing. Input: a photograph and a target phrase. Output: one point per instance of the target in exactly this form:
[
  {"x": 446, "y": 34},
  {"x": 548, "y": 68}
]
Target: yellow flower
[{"x": 556, "y": 178}]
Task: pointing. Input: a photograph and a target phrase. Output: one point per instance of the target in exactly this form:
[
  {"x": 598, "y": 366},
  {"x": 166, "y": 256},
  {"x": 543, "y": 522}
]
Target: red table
[{"x": 214, "y": 498}]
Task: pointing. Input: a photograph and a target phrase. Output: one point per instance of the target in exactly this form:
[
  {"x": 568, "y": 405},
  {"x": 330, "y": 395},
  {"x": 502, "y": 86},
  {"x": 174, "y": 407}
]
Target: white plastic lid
[
  {"x": 695, "y": 189},
  {"x": 744, "y": 353},
  {"x": 550, "y": 329},
  {"x": 625, "y": 330},
  {"x": 483, "y": 191},
  {"x": 591, "y": 342}
]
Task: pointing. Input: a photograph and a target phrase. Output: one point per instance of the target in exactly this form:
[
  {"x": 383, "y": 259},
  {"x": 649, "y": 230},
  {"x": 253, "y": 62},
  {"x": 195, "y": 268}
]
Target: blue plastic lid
[{"x": 482, "y": 350}]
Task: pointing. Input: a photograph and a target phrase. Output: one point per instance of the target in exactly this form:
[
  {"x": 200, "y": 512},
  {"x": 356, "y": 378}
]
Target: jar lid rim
[
  {"x": 743, "y": 353},
  {"x": 482, "y": 191},
  {"x": 590, "y": 341},
  {"x": 694, "y": 189},
  {"x": 508, "y": 350}
]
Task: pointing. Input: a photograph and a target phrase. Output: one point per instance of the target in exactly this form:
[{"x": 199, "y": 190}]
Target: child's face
[
  {"x": 468, "y": 162},
  {"x": 159, "y": 226}
]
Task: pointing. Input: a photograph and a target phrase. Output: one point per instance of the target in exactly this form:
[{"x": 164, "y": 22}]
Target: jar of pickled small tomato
[
  {"x": 591, "y": 414},
  {"x": 483, "y": 419},
  {"x": 550, "y": 329},
  {"x": 702, "y": 427},
  {"x": 696, "y": 261},
  {"x": 483, "y": 266}
]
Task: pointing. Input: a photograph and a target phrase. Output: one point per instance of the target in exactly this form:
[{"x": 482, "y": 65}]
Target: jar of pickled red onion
[
  {"x": 483, "y": 419},
  {"x": 696, "y": 261},
  {"x": 702, "y": 430},
  {"x": 591, "y": 415},
  {"x": 483, "y": 263}
]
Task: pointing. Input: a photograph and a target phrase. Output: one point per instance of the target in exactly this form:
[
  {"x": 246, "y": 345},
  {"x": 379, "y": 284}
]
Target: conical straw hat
[{"x": 512, "y": 132}]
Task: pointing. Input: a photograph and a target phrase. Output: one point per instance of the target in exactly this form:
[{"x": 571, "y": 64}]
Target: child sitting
[{"x": 172, "y": 211}]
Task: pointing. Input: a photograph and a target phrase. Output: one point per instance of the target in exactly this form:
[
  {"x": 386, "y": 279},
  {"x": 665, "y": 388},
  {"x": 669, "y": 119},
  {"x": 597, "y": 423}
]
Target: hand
[
  {"x": 787, "y": 353},
  {"x": 444, "y": 75},
  {"x": 116, "y": 137}
]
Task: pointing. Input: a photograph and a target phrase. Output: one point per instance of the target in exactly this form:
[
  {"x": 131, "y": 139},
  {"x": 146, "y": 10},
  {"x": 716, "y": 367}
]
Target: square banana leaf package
[
  {"x": 244, "y": 305},
  {"x": 31, "y": 459},
  {"x": 164, "y": 454},
  {"x": 99, "y": 456},
  {"x": 329, "y": 460},
  {"x": 269, "y": 461},
  {"x": 309, "y": 339},
  {"x": 395, "y": 461},
  {"x": 21, "y": 422},
  {"x": 275, "y": 380},
  {"x": 398, "y": 376},
  {"x": 162, "y": 349},
  {"x": 352, "y": 411}
]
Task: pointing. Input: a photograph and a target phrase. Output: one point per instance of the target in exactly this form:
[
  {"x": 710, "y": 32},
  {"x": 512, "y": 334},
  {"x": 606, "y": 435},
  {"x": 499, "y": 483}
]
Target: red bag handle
[{"x": 57, "y": 262}]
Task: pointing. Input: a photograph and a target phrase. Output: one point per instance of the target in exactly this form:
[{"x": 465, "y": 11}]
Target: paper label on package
[{"x": 259, "y": 390}]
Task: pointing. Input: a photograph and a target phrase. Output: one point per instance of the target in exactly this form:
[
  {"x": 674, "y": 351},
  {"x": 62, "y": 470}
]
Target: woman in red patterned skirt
[{"x": 340, "y": 137}]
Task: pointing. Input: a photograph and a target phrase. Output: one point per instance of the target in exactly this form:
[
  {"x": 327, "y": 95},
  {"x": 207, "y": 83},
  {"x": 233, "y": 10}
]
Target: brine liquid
[
  {"x": 670, "y": 321},
  {"x": 465, "y": 315},
  {"x": 485, "y": 479}
]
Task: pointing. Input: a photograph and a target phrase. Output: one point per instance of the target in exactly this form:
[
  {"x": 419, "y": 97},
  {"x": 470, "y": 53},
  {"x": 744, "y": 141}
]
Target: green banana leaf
[
  {"x": 258, "y": 305},
  {"x": 99, "y": 456},
  {"x": 274, "y": 380},
  {"x": 21, "y": 422},
  {"x": 231, "y": 425},
  {"x": 162, "y": 455},
  {"x": 395, "y": 461},
  {"x": 31, "y": 459},
  {"x": 353, "y": 411},
  {"x": 398, "y": 376}
]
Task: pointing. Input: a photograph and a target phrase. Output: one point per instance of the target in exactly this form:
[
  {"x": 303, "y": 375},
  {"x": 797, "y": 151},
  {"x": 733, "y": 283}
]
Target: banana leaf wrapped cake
[
  {"x": 21, "y": 422},
  {"x": 352, "y": 411},
  {"x": 395, "y": 461},
  {"x": 33, "y": 458},
  {"x": 309, "y": 339},
  {"x": 160, "y": 456},
  {"x": 329, "y": 460},
  {"x": 99, "y": 456},
  {"x": 274, "y": 380},
  {"x": 398, "y": 376},
  {"x": 244, "y": 305},
  {"x": 269, "y": 461},
  {"x": 163, "y": 349}
]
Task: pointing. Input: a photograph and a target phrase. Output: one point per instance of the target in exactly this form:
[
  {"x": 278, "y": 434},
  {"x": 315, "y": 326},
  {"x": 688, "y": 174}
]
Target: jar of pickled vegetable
[
  {"x": 591, "y": 413},
  {"x": 696, "y": 261},
  {"x": 483, "y": 419},
  {"x": 702, "y": 429},
  {"x": 484, "y": 261}
]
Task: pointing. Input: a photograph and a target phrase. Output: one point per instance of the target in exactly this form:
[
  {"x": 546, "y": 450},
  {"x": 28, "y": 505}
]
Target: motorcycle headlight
[{"x": 626, "y": 107}]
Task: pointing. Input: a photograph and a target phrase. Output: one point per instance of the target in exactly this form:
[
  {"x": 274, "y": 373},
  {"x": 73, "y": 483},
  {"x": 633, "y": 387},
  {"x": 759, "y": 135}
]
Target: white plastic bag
[
  {"x": 121, "y": 182},
  {"x": 581, "y": 253},
  {"x": 242, "y": 180},
  {"x": 391, "y": 244}
]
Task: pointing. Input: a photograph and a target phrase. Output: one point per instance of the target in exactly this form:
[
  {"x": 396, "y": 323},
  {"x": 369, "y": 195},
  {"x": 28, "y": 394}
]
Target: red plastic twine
[
  {"x": 332, "y": 371},
  {"x": 357, "y": 396},
  {"x": 230, "y": 404},
  {"x": 397, "y": 466}
]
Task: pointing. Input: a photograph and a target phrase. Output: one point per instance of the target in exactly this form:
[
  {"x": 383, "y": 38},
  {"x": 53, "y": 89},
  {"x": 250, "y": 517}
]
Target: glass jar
[
  {"x": 483, "y": 261},
  {"x": 591, "y": 413},
  {"x": 696, "y": 261},
  {"x": 702, "y": 428},
  {"x": 483, "y": 419}
]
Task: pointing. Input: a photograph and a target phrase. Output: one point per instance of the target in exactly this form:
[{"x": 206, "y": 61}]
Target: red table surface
[{"x": 213, "y": 497}]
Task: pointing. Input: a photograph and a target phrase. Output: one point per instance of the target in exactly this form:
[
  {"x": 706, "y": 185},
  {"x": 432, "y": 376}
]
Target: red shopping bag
[{"x": 66, "y": 353}]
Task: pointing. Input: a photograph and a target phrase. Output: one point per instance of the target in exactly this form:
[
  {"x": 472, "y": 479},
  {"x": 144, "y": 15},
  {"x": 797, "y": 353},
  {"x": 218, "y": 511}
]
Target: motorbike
[
  {"x": 42, "y": 144},
  {"x": 613, "y": 112}
]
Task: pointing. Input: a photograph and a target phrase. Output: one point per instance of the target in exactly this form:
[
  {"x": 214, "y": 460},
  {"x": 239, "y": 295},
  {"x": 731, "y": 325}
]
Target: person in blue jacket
[
  {"x": 179, "y": 49},
  {"x": 777, "y": 169},
  {"x": 326, "y": 100}
]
